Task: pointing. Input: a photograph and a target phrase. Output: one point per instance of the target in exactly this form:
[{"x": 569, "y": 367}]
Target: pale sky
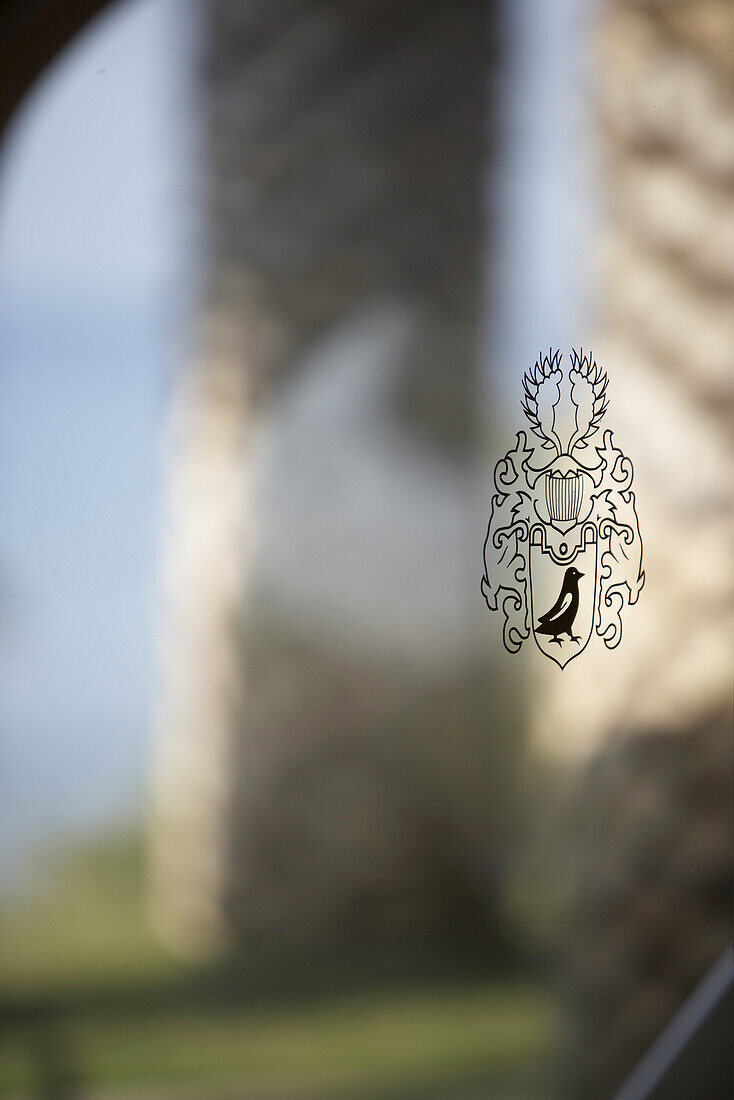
[{"x": 93, "y": 270}]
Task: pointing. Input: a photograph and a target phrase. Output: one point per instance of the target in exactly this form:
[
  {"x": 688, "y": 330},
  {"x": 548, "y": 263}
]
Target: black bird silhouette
[{"x": 559, "y": 620}]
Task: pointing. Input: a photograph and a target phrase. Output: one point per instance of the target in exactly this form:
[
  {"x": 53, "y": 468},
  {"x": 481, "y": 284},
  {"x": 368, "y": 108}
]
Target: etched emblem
[{"x": 563, "y": 553}]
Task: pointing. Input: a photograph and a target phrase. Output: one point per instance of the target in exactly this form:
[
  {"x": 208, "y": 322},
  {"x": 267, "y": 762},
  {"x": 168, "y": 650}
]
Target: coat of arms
[{"x": 563, "y": 553}]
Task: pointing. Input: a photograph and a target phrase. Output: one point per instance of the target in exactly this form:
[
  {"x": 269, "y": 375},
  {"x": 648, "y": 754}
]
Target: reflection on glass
[{"x": 283, "y": 818}]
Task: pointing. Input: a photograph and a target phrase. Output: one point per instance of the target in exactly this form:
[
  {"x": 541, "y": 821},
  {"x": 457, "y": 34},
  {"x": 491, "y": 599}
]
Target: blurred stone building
[
  {"x": 651, "y": 722},
  {"x": 335, "y": 751},
  {"x": 324, "y": 771}
]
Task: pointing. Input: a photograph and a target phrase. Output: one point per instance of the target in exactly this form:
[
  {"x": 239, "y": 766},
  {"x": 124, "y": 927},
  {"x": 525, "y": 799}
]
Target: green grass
[
  {"x": 84, "y": 926},
  {"x": 371, "y": 1044},
  {"x": 87, "y": 992}
]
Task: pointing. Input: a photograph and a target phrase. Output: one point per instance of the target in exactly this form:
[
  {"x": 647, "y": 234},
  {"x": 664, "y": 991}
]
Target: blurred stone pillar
[
  {"x": 653, "y": 839},
  {"x": 344, "y": 150}
]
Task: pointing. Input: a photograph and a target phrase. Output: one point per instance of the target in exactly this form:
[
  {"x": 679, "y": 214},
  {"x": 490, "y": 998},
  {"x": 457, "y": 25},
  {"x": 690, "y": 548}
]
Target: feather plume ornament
[
  {"x": 588, "y": 390},
  {"x": 542, "y": 386}
]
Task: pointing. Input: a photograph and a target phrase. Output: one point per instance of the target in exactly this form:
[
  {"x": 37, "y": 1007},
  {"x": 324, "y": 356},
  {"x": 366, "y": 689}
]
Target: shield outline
[{"x": 588, "y": 536}]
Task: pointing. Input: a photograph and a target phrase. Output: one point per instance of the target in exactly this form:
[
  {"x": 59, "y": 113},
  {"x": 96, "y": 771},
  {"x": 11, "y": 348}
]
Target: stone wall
[
  {"x": 649, "y": 725},
  {"x": 343, "y": 149}
]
